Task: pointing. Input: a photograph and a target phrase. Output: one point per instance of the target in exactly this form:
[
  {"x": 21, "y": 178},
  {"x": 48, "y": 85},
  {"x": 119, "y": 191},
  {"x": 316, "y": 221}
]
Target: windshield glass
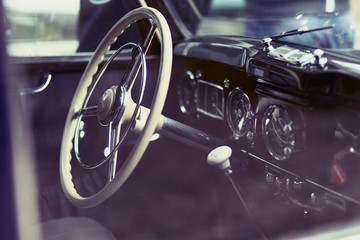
[
  {"x": 266, "y": 18},
  {"x": 50, "y": 27}
]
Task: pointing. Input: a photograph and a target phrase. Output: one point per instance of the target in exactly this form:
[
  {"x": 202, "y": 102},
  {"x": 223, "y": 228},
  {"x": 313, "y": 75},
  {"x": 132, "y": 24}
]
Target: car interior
[{"x": 148, "y": 132}]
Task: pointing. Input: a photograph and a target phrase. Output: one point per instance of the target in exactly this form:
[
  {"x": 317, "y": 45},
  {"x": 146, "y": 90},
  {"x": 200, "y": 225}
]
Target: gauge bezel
[
  {"x": 269, "y": 141},
  {"x": 211, "y": 99},
  {"x": 247, "y": 114},
  {"x": 188, "y": 78}
]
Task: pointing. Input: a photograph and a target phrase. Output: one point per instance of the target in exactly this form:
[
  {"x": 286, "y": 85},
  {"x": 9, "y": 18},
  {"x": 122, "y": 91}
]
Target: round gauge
[
  {"x": 278, "y": 132},
  {"x": 187, "y": 93},
  {"x": 238, "y": 110}
]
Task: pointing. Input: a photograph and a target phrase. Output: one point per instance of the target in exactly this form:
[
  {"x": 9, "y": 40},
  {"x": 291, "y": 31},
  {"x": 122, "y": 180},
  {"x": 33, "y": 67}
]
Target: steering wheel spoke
[
  {"x": 149, "y": 37},
  {"x": 137, "y": 61},
  {"x": 87, "y": 112},
  {"x": 113, "y": 139}
]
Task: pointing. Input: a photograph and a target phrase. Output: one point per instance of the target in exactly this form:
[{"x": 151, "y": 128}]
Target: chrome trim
[
  {"x": 81, "y": 113},
  {"x": 187, "y": 84},
  {"x": 246, "y": 117},
  {"x": 227, "y": 54},
  {"x": 47, "y": 78},
  {"x": 219, "y": 110},
  {"x": 278, "y": 132},
  {"x": 99, "y": 2}
]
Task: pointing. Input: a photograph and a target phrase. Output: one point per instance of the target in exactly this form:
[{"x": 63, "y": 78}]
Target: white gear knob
[{"x": 220, "y": 157}]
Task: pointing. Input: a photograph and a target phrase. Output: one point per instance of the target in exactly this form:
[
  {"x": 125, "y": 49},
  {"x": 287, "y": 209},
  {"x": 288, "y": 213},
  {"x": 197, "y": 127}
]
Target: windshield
[
  {"x": 50, "y": 27},
  {"x": 266, "y": 18}
]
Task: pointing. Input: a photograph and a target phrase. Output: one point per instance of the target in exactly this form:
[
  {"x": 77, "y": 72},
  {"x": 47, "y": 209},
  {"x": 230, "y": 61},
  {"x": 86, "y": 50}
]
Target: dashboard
[
  {"x": 290, "y": 120},
  {"x": 290, "y": 114}
]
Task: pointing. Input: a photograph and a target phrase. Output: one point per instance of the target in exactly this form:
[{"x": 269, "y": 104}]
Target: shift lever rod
[{"x": 220, "y": 157}]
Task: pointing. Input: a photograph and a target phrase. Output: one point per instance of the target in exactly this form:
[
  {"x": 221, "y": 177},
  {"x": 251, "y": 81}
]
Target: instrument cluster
[
  {"x": 273, "y": 124},
  {"x": 288, "y": 112},
  {"x": 298, "y": 140}
]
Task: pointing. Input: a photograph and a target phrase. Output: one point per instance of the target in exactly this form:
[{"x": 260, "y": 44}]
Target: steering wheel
[{"x": 117, "y": 107}]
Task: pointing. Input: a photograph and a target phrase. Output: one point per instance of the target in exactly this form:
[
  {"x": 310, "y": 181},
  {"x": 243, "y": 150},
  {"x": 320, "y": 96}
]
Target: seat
[{"x": 74, "y": 228}]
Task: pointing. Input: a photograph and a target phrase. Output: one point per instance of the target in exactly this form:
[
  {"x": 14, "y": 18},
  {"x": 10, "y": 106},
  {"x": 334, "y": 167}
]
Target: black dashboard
[{"x": 290, "y": 114}]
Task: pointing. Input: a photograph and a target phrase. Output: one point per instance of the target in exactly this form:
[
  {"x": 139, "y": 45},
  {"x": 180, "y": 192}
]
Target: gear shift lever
[{"x": 220, "y": 157}]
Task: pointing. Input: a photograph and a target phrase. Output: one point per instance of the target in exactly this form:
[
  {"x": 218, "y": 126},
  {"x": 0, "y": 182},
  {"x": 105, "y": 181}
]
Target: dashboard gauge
[
  {"x": 239, "y": 114},
  {"x": 187, "y": 93},
  {"x": 211, "y": 99},
  {"x": 278, "y": 132}
]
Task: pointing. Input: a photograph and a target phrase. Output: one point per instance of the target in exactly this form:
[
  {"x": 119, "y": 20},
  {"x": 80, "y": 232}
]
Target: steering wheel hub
[{"x": 106, "y": 104}]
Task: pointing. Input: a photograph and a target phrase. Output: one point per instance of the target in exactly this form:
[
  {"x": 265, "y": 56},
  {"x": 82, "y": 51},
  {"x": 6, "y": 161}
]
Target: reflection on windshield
[{"x": 264, "y": 18}]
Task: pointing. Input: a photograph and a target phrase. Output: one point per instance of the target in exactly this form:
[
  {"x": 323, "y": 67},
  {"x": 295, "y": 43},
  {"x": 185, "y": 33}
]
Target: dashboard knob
[
  {"x": 319, "y": 59},
  {"x": 220, "y": 157},
  {"x": 269, "y": 178},
  {"x": 299, "y": 184}
]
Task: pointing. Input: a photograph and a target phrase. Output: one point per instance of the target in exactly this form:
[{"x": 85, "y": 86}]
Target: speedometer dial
[
  {"x": 278, "y": 132},
  {"x": 239, "y": 115},
  {"x": 187, "y": 93}
]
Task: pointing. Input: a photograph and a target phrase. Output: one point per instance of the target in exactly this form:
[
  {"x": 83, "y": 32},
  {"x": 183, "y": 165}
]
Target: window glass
[
  {"x": 41, "y": 27},
  {"x": 338, "y": 20}
]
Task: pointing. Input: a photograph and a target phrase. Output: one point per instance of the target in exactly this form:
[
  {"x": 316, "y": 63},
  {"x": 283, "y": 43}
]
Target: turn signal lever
[{"x": 220, "y": 157}]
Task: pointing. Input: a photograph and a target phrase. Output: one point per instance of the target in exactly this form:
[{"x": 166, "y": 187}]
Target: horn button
[{"x": 105, "y": 108}]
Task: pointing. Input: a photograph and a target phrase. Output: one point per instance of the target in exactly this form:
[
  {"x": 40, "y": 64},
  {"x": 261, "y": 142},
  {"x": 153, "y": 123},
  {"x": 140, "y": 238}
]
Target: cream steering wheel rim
[{"x": 138, "y": 150}]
